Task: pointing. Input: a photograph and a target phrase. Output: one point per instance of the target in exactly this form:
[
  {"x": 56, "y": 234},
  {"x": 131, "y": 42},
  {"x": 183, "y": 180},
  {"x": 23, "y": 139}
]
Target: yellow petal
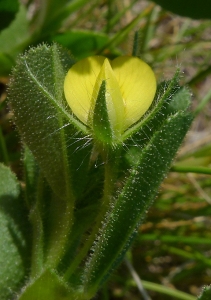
[
  {"x": 79, "y": 83},
  {"x": 137, "y": 84},
  {"x": 114, "y": 101}
]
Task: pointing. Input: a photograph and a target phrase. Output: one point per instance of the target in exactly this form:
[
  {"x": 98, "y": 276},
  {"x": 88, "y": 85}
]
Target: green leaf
[
  {"x": 169, "y": 99},
  {"x": 158, "y": 111},
  {"x": 48, "y": 286},
  {"x": 180, "y": 101},
  {"x": 131, "y": 206},
  {"x": 45, "y": 121},
  {"x": 101, "y": 124},
  {"x": 12, "y": 242},
  {"x": 52, "y": 134},
  {"x": 189, "y": 8},
  {"x": 206, "y": 293}
]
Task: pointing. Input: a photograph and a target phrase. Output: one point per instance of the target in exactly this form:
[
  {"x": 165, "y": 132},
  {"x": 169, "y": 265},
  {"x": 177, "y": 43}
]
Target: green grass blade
[
  {"x": 203, "y": 103},
  {"x": 175, "y": 239},
  {"x": 191, "y": 169},
  {"x": 167, "y": 291},
  {"x": 115, "y": 18},
  {"x": 120, "y": 35}
]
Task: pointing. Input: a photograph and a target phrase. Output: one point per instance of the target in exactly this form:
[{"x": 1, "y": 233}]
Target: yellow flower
[{"x": 130, "y": 86}]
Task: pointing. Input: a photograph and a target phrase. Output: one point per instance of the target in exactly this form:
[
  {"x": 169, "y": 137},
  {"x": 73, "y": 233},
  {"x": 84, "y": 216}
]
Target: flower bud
[{"x": 109, "y": 96}]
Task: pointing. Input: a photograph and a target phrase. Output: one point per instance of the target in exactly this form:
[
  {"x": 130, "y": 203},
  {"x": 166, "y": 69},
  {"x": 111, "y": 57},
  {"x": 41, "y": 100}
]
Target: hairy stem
[{"x": 111, "y": 160}]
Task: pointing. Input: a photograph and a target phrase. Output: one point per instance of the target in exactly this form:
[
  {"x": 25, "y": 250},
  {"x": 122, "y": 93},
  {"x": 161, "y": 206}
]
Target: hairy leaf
[
  {"x": 44, "y": 120},
  {"x": 48, "y": 286},
  {"x": 12, "y": 242},
  {"x": 135, "y": 199}
]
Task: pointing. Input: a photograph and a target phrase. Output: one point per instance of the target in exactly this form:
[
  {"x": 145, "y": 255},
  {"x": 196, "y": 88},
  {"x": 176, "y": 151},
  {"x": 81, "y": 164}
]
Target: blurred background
[{"x": 173, "y": 248}]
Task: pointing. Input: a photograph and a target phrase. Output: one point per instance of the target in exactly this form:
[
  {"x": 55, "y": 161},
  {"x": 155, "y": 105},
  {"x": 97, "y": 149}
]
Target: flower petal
[
  {"x": 137, "y": 84},
  {"x": 79, "y": 83},
  {"x": 114, "y": 101}
]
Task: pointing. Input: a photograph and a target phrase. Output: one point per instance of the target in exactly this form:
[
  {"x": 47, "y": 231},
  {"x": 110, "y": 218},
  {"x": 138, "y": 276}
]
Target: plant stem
[
  {"x": 62, "y": 217},
  {"x": 37, "y": 225},
  {"x": 62, "y": 211},
  {"x": 111, "y": 161}
]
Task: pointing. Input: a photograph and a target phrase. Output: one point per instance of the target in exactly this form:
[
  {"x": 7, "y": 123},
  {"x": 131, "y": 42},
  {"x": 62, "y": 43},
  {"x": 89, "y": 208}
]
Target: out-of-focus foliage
[
  {"x": 172, "y": 248},
  {"x": 189, "y": 8},
  {"x": 8, "y": 10}
]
